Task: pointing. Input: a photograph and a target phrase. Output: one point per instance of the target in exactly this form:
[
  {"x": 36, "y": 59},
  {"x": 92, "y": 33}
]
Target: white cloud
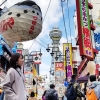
[
  {"x": 44, "y": 70},
  {"x": 64, "y": 40}
]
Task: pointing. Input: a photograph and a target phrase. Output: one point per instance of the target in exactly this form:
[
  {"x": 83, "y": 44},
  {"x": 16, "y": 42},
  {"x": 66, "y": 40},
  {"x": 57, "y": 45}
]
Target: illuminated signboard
[{"x": 84, "y": 32}]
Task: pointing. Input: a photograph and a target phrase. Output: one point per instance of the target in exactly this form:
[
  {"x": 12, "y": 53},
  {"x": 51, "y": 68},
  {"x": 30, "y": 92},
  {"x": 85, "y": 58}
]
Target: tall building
[{"x": 55, "y": 35}]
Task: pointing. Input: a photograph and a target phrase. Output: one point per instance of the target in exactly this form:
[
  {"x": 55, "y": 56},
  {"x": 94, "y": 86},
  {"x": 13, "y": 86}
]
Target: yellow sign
[
  {"x": 34, "y": 72},
  {"x": 56, "y": 38},
  {"x": 67, "y": 51}
]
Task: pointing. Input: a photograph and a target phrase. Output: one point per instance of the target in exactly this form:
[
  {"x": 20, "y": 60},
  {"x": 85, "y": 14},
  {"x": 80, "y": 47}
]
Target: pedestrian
[
  {"x": 73, "y": 91},
  {"x": 43, "y": 96},
  {"x": 13, "y": 86},
  {"x": 51, "y": 94},
  {"x": 32, "y": 96},
  {"x": 85, "y": 86},
  {"x": 93, "y": 89},
  {"x": 64, "y": 97}
]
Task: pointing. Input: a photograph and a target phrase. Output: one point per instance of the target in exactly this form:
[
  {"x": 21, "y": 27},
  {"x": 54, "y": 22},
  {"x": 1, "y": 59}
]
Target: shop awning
[{"x": 83, "y": 79}]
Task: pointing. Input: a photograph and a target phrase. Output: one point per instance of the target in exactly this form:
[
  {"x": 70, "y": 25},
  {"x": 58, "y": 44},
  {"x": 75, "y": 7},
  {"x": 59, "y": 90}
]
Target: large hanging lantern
[
  {"x": 91, "y": 67},
  {"x": 21, "y": 22}
]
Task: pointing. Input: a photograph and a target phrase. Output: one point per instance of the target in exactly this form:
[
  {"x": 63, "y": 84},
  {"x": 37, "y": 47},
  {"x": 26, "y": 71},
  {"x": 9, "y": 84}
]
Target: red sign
[
  {"x": 84, "y": 30},
  {"x": 59, "y": 66},
  {"x": 33, "y": 25},
  {"x": 97, "y": 69},
  {"x": 5, "y": 24},
  {"x": 19, "y": 51}
]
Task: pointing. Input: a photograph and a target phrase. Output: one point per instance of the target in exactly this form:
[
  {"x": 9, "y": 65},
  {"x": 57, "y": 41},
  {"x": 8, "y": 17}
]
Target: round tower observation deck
[{"x": 55, "y": 35}]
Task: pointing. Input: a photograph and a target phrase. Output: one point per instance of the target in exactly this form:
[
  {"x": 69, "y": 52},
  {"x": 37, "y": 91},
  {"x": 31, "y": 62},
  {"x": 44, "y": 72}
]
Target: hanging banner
[
  {"x": 84, "y": 31},
  {"x": 19, "y": 51},
  {"x": 37, "y": 59},
  {"x": 67, "y": 51},
  {"x": 59, "y": 72},
  {"x": 34, "y": 71}
]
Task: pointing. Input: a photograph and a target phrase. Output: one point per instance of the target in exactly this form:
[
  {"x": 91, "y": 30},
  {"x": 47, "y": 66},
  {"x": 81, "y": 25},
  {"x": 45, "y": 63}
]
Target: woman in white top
[{"x": 13, "y": 86}]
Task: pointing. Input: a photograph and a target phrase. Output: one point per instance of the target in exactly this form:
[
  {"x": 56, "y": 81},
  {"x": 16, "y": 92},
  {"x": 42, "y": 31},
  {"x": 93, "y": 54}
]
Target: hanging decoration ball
[
  {"x": 91, "y": 67},
  {"x": 21, "y": 22}
]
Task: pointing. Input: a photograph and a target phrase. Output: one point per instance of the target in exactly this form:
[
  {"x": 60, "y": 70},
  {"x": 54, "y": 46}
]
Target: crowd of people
[
  {"x": 14, "y": 88},
  {"x": 74, "y": 91}
]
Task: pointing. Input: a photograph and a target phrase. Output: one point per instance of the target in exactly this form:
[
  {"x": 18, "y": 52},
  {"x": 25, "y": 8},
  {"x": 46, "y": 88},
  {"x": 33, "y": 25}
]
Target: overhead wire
[
  {"x": 40, "y": 44},
  {"x": 45, "y": 17},
  {"x": 43, "y": 22},
  {"x": 69, "y": 21},
  {"x": 47, "y": 10},
  {"x": 3, "y": 2},
  {"x": 42, "y": 41},
  {"x": 64, "y": 20}
]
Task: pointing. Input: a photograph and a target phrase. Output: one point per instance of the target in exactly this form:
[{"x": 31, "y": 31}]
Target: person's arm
[{"x": 7, "y": 86}]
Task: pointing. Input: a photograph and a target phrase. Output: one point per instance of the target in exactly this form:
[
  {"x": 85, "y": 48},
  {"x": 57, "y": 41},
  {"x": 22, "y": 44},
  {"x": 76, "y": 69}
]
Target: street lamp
[
  {"x": 52, "y": 72},
  {"x": 48, "y": 49}
]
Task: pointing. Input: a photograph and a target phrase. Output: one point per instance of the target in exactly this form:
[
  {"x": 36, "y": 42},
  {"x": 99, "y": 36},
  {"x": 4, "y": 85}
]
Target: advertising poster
[
  {"x": 84, "y": 31},
  {"x": 67, "y": 51},
  {"x": 59, "y": 72},
  {"x": 28, "y": 81},
  {"x": 36, "y": 59}
]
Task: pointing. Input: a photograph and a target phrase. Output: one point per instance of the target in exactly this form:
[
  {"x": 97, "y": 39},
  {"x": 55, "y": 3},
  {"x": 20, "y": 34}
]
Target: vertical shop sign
[
  {"x": 68, "y": 55},
  {"x": 59, "y": 72},
  {"x": 67, "y": 50},
  {"x": 84, "y": 31}
]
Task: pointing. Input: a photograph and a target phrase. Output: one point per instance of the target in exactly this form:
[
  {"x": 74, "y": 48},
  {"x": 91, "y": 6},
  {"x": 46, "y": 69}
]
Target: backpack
[
  {"x": 71, "y": 92},
  {"x": 51, "y": 96},
  {"x": 2, "y": 96},
  {"x": 90, "y": 94}
]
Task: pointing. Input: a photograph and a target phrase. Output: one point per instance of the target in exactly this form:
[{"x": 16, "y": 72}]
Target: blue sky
[{"x": 53, "y": 18}]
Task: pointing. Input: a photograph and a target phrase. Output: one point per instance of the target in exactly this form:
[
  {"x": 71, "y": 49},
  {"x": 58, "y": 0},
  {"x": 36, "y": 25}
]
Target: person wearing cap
[{"x": 51, "y": 94}]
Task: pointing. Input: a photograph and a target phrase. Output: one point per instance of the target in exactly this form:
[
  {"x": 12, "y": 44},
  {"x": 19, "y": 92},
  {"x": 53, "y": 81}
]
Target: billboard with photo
[{"x": 59, "y": 72}]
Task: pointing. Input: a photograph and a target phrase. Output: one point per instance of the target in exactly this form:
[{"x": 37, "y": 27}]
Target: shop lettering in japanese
[
  {"x": 68, "y": 62},
  {"x": 84, "y": 31}
]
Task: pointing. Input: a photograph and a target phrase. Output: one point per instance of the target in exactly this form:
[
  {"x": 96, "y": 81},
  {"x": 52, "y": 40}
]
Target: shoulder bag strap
[{"x": 18, "y": 73}]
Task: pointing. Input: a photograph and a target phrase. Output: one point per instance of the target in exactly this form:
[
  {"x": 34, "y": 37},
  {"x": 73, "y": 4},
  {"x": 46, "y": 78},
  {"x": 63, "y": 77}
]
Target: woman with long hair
[
  {"x": 13, "y": 85},
  {"x": 43, "y": 96},
  {"x": 32, "y": 96}
]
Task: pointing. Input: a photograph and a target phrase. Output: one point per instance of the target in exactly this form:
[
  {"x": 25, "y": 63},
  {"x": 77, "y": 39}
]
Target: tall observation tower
[{"x": 55, "y": 35}]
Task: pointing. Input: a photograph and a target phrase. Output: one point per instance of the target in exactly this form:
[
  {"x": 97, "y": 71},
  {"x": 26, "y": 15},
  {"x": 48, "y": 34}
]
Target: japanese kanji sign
[
  {"x": 67, "y": 49},
  {"x": 84, "y": 31}
]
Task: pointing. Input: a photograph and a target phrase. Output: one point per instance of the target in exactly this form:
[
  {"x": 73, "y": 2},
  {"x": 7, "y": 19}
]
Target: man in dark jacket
[
  {"x": 52, "y": 94},
  {"x": 77, "y": 87}
]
